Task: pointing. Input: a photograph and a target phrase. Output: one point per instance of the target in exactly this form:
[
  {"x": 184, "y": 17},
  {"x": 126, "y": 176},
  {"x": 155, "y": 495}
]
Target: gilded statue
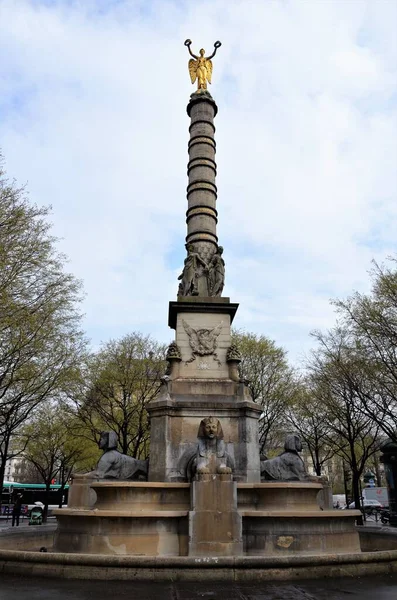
[{"x": 200, "y": 67}]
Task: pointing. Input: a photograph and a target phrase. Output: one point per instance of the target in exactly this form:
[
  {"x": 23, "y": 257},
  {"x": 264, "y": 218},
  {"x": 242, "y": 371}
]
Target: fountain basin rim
[
  {"x": 288, "y": 514},
  {"x": 139, "y": 514},
  {"x": 182, "y": 485},
  {"x": 274, "y": 485},
  {"x": 139, "y": 484},
  {"x": 296, "y": 513},
  {"x": 205, "y": 562}
]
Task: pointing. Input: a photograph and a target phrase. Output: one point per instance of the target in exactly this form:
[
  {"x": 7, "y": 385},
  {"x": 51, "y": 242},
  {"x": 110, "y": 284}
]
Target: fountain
[
  {"x": 205, "y": 502},
  {"x": 203, "y": 495}
]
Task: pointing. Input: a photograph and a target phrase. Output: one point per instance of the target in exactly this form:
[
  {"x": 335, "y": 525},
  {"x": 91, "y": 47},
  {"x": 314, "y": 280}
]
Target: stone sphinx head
[
  {"x": 293, "y": 443},
  {"x": 210, "y": 428},
  {"x": 108, "y": 441}
]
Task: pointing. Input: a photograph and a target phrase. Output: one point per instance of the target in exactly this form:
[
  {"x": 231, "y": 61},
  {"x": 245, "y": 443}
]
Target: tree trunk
[
  {"x": 356, "y": 493},
  {"x": 62, "y": 488},
  {"x": 2, "y": 471},
  {"x": 3, "y": 458},
  {"x": 317, "y": 464},
  {"x": 46, "y": 500}
]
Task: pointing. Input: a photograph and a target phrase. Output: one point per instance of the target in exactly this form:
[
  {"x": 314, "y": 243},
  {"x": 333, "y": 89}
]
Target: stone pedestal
[
  {"x": 202, "y": 385},
  {"x": 215, "y": 526},
  {"x": 81, "y": 494},
  {"x": 175, "y": 418}
]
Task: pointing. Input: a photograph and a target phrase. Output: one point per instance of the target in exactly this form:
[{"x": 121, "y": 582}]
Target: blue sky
[{"x": 92, "y": 117}]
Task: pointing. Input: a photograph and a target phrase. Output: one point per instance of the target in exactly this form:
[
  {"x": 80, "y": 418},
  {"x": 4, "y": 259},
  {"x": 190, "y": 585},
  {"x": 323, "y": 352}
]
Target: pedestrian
[{"x": 16, "y": 510}]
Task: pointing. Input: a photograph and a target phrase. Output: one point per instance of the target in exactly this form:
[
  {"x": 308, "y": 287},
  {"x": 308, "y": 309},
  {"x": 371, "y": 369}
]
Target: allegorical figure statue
[
  {"x": 288, "y": 466},
  {"x": 200, "y": 67},
  {"x": 193, "y": 268},
  {"x": 115, "y": 465},
  {"x": 216, "y": 273},
  {"x": 211, "y": 449}
]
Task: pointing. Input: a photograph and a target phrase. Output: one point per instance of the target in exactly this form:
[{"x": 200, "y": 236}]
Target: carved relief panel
[{"x": 203, "y": 340}]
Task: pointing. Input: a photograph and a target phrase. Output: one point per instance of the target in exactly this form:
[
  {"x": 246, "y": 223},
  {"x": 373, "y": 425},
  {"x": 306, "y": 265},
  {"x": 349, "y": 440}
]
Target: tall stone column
[
  {"x": 202, "y": 378},
  {"x": 201, "y": 216}
]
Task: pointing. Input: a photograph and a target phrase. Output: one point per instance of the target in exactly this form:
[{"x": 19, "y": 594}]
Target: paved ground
[
  {"x": 17, "y": 588},
  {"x": 23, "y": 523}
]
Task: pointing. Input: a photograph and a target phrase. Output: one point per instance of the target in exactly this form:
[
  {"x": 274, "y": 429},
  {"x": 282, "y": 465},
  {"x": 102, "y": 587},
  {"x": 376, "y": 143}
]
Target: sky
[{"x": 93, "y": 97}]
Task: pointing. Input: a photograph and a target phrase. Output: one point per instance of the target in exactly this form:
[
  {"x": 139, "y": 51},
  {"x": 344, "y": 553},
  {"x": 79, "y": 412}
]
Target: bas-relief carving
[
  {"x": 211, "y": 450},
  {"x": 115, "y": 465},
  {"x": 288, "y": 466},
  {"x": 203, "y": 342},
  {"x": 202, "y": 278}
]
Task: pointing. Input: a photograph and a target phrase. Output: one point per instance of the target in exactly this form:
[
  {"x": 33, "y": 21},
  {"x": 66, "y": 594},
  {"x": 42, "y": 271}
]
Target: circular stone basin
[{"x": 183, "y": 568}]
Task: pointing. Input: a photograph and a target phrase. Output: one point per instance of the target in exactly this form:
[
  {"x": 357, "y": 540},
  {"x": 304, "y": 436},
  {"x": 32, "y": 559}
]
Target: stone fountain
[{"x": 206, "y": 493}]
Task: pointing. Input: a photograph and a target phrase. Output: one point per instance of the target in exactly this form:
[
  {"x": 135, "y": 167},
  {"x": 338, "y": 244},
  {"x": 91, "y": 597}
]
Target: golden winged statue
[{"x": 200, "y": 67}]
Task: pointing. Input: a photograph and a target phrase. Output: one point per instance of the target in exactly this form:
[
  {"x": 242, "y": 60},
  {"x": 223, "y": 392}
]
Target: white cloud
[{"x": 92, "y": 114}]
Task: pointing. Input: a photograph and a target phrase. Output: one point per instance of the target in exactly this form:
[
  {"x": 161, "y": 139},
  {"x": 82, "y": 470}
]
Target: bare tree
[
  {"x": 333, "y": 367},
  {"x": 371, "y": 321},
  {"x": 308, "y": 417},
  {"x": 271, "y": 381},
  {"x": 40, "y": 337},
  {"x": 120, "y": 381},
  {"x": 53, "y": 449}
]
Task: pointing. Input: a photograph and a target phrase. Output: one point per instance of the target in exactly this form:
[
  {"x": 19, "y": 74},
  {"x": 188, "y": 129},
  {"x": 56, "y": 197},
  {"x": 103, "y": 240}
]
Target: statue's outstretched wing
[
  {"x": 192, "y": 333},
  {"x": 193, "y": 337},
  {"x": 215, "y": 333},
  {"x": 189, "y": 330},
  {"x": 209, "y": 69},
  {"x": 193, "y": 64}
]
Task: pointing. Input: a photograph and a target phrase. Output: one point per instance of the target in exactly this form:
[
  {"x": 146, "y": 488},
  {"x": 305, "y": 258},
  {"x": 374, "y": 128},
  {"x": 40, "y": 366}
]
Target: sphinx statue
[
  {"x": 115, "y": 465},
  {"x": 211, "y": 454},
  {"x": 288, "y": 466}
]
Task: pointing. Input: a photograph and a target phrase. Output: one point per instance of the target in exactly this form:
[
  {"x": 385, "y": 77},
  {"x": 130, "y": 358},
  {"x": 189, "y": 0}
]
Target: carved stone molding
[
  {"x": 233, "y": 354},
  {"x": 173, "y": 352}
]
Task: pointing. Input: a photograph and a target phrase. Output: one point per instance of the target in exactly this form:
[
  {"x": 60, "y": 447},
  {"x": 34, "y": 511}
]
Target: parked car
[{"x": 369, "y": 505}]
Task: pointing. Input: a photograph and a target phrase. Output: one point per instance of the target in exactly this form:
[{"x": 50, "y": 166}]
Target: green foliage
[
  {"x": 40, "y": 337},
  {"x": 338, "y": 378},
  {"x": 52, "y": 447},
  {"x": 271, "y": 381},
  {"x": 308, "y": 417},
  {"x": 120, "y": 381}
]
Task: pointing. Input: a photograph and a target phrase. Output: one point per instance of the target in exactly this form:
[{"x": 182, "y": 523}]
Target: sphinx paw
[
  {"x": 203, "y": 470},
  {"x": 224, "y": 470}
]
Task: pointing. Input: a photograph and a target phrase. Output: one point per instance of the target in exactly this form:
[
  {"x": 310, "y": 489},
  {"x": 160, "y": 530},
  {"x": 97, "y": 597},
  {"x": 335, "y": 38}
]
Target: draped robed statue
[{"x": 200, "y": 67}]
